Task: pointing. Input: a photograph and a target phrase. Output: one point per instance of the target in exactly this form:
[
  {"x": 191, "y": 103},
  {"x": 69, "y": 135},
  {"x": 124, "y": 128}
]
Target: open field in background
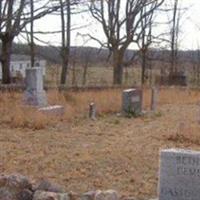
[
  {"x": 101, "y": 74},
  {"x": 96, "y": 75},
  {"x": 111, "y": 152}
]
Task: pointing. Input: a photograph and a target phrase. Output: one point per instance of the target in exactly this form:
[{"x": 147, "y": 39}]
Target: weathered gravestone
[
  {"x": 132, "y": 102},
  {"x": 178, "y": 78},
  {"x": 35, "y": 94},
  {"x": 92, "y": 111},
  {"x": 179, "y": 175},
  {"x": 154, "y": 98}
]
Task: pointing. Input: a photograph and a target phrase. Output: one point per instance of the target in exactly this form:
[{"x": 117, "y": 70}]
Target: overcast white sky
[{"x": 190, "y": 28}]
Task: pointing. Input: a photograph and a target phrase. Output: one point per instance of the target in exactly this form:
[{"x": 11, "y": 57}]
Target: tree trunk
[
  {"x": 66, "y": 40},
  {"x": 144, "y": 56},
  {"x": 5, "y": 60},
  {"x": 174, "y": 35},
  {"x": 32, "y": 45},
  {"x": 118, "y": 68},
  {"x": 126, "y": 75},
  {"x": 150, "y": 73},
  {"x": 85, "y": 69},
  {"x": 74, "y": 73},
  {"x": 65, "y": 63}
]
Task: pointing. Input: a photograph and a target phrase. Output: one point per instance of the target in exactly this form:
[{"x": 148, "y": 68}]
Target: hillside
[{"x": 95, "y": 55}]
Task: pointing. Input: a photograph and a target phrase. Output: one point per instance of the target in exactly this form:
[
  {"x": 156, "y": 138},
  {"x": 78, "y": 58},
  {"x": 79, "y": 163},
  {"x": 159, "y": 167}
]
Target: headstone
[
  {"x": 154, "y": 98},
  {"x": 179, "y": 175},
  {"x": 178, "y": 78},
  {"x": 163, "y": 76},
  {"x": 132, "y": 102},
  {"x": 92, "y": 111},
  {"x": 35, "y": 94}
]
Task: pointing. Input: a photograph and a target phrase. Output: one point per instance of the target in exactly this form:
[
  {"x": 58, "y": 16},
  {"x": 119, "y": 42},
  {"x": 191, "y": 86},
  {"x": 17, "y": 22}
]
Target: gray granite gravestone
[
  {"x": 35, "y": 94},
  {"x": 132, "y": 102},
  {"x": 179, "y": 175},
  {"x": 154, "y": 98}
]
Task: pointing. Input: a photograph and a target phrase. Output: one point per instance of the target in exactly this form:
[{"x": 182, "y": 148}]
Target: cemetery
[
  {"x": 110, "y": 144},
  {"x": 94, "y": 144},
  {"x": 99, "y": 100}
]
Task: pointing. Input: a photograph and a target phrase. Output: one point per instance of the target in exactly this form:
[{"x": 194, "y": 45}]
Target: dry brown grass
[
  {"x": 179, "y": 96},
  {"x": 16, "y": 114},
  {"x": 173, "y": 95},
  {"x": 107, "y": 101},
  {"x": 186, "y": 133},
  {"x": 111, "y": 152},
  {"x": 76, "y": 105}
]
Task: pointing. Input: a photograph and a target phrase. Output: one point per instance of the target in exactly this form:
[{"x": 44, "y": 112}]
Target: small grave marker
[
  {"x": 92, "y": 111},
  {"x": 154, "y": 98}
]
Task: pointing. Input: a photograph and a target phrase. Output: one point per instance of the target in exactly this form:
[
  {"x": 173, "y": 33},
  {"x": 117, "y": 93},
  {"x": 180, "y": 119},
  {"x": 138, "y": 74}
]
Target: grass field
[
  {"x": 101, "y": 74},
  {"x": 96, "y": 75},
  {"x": 110, "y": 153}
]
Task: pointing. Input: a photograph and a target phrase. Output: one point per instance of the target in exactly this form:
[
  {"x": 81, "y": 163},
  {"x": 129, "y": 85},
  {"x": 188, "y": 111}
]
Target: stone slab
[
  {"x": 34, "y": 79},
  {"x": 35, "y": 94},
  {"x": 34, "y": 98},
  {"x": 132, "y": 101},
  {"x": 154, "y": 98},
  {"x": 179, "y": 177},
  {"x": 53, "y": 110}
]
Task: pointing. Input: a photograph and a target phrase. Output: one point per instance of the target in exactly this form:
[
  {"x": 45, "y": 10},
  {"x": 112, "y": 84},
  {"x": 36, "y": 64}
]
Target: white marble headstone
[
  {"x": 179, "y": 177},
  {"x": 34, "y": 79},
  {"x": 35, "y": 94}
]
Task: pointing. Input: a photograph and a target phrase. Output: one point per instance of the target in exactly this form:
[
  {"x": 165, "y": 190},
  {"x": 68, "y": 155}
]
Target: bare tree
[
  {"x": 66, "y": 7},
  {"x": 176, "y": 19},
  {"x": 14, "y": 16},
  {"x": 174, "y": 36},
  {"x": 195, "y": 61},
  {"x": 32, "y": 45},
  {"x": 121, "y": 22},
  {"x": 85, "y": 64},
  {"x": 66, "y": 37},
  {"x": 8, "y": 30},
  {"x": 145, "y": 42}
]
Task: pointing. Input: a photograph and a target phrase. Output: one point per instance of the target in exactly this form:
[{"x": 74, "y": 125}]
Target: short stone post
[
  {"x": 35, "y": 94},
  {"x": 154, "y": 98},
  {"x": 92, "y": 111},
  {"x": 132, "y": 102}
]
